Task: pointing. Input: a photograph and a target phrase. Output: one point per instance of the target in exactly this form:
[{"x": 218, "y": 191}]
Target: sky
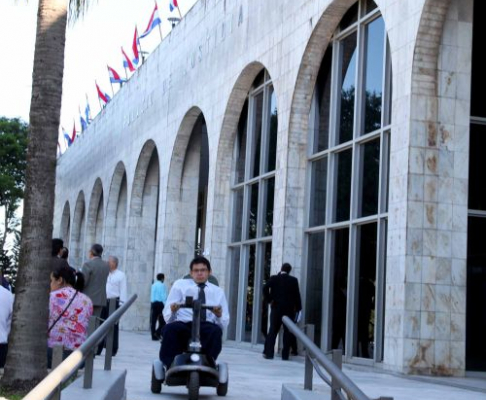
[{"x": 92, "y": 43}]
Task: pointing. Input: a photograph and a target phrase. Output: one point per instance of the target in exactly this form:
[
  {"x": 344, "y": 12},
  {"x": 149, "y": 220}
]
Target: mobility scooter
[{"x": 192, "y": 368}]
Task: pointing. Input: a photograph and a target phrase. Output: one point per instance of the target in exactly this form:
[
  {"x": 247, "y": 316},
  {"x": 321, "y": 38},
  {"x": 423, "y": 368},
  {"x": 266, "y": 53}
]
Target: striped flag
[
  {"x": 115, "y": 76},
  {"x": 153, "y": 22},
  {"x": 102, "y": 95}
]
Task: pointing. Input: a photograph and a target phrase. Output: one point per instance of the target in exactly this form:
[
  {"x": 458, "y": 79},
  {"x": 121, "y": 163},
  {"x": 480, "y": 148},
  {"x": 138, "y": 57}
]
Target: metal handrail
[
  {"x": 59, "y": 375},
  {"x": 338, "y": 378}
]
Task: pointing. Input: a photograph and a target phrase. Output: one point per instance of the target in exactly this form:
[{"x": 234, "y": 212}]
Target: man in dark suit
[
  {"x": 95, "y": 273},
  {"x": 283, "y": 294}
]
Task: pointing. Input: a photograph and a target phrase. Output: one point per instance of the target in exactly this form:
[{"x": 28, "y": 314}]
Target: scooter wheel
[
  {"x": 155, "y": 384},
  {"x": 222, "y": 389},
  {"x": 193, "y": 385}
]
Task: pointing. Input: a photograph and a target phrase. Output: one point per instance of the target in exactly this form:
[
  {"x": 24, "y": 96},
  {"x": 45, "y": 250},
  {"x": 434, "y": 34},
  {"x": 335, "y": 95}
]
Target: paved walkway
[{"x": 254, "y": 378}]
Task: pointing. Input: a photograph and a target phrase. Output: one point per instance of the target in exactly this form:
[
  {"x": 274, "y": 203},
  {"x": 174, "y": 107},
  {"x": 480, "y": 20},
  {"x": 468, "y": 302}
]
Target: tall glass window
[
  {"x": 349, "y": 135},
  {"x": 253, "y": 202}
]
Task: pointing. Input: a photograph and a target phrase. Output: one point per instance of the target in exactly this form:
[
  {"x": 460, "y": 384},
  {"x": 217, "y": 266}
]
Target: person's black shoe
[
  {"x": 267, "y": 357},
  {"x": 155, "y": 337}
]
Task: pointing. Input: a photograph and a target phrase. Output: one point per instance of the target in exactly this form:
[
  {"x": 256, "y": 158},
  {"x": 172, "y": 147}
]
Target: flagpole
[
  {"x": 139, "y": 45},
  {"x": 87, "y": 106},
  {"x": 159, "y": 25},
  {"x": 178, "y": 9}
]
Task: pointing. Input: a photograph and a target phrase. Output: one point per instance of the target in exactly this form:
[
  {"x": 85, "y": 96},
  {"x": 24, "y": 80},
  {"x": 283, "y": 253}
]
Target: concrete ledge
[
  {"x": 107, "y": 385},
  {"x": 297, "y": 392}
]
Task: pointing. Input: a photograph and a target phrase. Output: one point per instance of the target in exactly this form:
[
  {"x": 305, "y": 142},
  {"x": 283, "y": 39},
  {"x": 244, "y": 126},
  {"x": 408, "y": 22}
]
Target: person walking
[
  {"x": 116, "y": 290},
  {"x": 283, "y": 294},
  {"x": 158, "y": 297},
  {"x": 95, "y": 273}
]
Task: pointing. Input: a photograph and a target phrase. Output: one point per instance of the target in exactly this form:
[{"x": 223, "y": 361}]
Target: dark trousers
[
  {"x": 275, "y": 324},
  {"x": 156, "y": 318},
  {"x": 3, "y": 353},
  {"x": 105, "y": 313},
  {"x": 177, "y": 335}
]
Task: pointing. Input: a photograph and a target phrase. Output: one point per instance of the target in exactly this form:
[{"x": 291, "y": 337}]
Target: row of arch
[{"x": 128, "y": 222}]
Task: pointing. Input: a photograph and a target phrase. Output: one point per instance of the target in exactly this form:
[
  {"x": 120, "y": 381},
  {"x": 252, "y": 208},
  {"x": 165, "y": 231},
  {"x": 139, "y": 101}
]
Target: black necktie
[{"x": 202, "y": 299}]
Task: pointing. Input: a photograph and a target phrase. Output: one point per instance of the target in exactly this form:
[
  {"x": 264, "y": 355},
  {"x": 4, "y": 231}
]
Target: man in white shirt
[
  {"x": 6, "y": 309},
  {"x": 177, "y": 332},
  {"x": 116, "y": 288}
]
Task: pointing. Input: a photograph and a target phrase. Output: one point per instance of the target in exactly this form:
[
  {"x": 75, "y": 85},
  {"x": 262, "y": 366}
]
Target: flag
[
  {"x": 87, "y": 111},
  {"x": 114, "y": 76},
  {"x": 67, "y": 137},
  {"x": 73, "y": 136},
  {"x": 136, "y": 57},
  {"x": 84, "y": 124},
  {"x": 153, "y": 22},
  {"x": 173, "y": 4},
  {"x": 127, "y": 63},
  {"x": 82, "y": 120},
  {"x": 102, "y": 95}
]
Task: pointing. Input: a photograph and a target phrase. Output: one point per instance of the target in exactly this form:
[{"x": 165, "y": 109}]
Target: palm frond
[{"x": 77, "y": 9}]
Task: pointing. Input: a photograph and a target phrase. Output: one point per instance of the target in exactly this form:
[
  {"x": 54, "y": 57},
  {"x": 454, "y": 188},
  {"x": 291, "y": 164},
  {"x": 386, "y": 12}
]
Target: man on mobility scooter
[{"x": 192, "y": 338}]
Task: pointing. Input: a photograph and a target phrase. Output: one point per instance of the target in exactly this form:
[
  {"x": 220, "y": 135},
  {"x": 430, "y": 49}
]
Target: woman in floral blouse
[{"x": 69, "y": 329}]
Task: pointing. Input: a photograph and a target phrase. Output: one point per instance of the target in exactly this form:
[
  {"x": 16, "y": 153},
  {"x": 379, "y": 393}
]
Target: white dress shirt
[
  {"x": 6, "y": 309},
  {"x": 187, "y": 287},
  {"x": 116, "y": 285}
]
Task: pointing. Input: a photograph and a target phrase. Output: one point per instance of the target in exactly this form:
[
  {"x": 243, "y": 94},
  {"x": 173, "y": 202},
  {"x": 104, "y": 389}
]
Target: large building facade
[{"x": 341, "y": 136}]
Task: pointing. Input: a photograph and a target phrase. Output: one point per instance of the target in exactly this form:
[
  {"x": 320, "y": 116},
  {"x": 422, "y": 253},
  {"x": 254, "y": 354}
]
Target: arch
[
  {"x": 142, "y": 234},
  {"x": 94, "y": 233},
  {"x": 220, "y": 211},
  {"x": 66, "y": 223},
  {"x": 78, "y": 231},
  {"x": 116, "y": 214},
  {"x": 189, "y": 160}
]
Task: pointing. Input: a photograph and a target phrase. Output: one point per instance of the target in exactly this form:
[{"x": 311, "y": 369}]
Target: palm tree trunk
[{"x": 26, "y": 359}]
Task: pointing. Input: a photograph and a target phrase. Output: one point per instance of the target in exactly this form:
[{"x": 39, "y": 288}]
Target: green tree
[
  {"x": 13, "y": 146},
  {"x": 26, "y": 359}
]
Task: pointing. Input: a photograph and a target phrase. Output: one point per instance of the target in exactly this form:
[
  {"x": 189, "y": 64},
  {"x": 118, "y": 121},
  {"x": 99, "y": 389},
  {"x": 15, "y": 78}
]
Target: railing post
[
  {"x": 309, "y": 368},
  {"x": 337, "y": 358},
  {"x": 109, "y": 337},
  {"x": 88, "y": 365},
  {"x": 57, "y": 353}
]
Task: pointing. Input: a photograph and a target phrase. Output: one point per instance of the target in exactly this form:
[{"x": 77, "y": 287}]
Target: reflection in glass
[
  {"x": 370, "y": 5},
  {"x": 343, "y": 192},
  {"x": 374, "y": 75},
  {"x": 267, "y": 264},
  {"x": 272, "y": 138},
  {"x": 252, "y": 225},
  {"x": 348, "y": 72},
  {"x": 250, "y": 291},
  {"x": 350, "y": 17},
  {"x": 339, "y": 287},
  {"x": 365, "y": 291},
  {"x": 270, "y": 189},
  {"x": 317, "y": 214},
  {"x": 478, "y": 66},
  {"x": 370, "y": 174},
  {"x": 233, "y": 291},
  {"x": 257, "y": 134},
  {"x": 322, "y": 104},
  {"x": 241, "y": 140},
  {"x": 315, "y": 267},
  {"x": 238, "y": 214}
]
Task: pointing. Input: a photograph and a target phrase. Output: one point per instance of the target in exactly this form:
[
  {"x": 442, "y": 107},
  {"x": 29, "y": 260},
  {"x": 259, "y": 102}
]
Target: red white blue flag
[
  {"x": 173, "y": 4},
  {"x": 154, "y": 21},
  {"x": 82, "y": 121},
  {"x": 135, "y": 43},
  {"x": 114, "y": 76},
  {"x": 127, "y": 63},
  {"x": 73, "y": 135},
  {"x": 67, "y": 137},
  {"x": 102, "y": 95}
]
